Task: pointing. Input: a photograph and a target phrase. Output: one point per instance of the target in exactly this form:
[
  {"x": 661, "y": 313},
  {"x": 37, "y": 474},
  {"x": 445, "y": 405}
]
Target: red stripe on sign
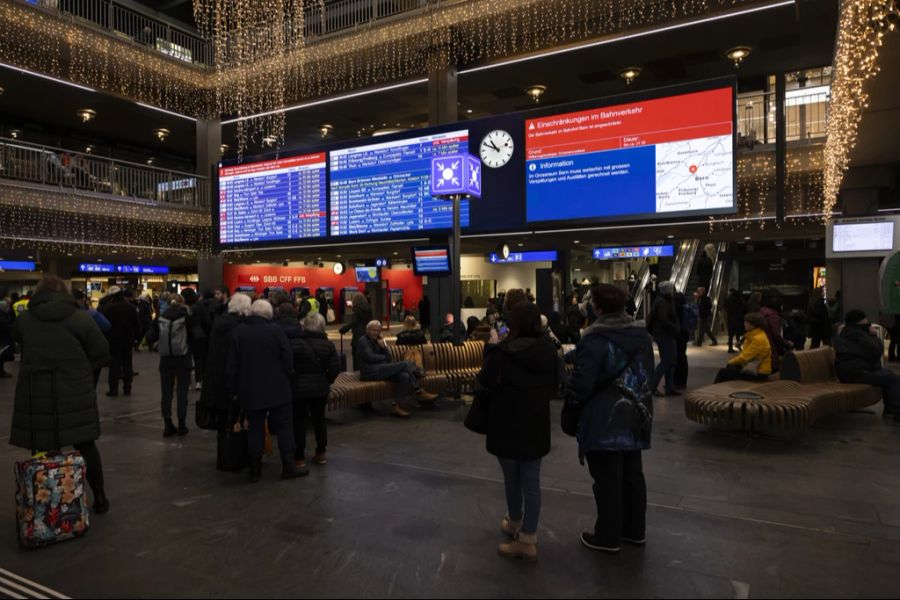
[{"x": 273, "y": 165}]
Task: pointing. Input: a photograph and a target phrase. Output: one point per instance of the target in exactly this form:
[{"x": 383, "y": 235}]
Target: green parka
[{"x": 56, "y": 403}]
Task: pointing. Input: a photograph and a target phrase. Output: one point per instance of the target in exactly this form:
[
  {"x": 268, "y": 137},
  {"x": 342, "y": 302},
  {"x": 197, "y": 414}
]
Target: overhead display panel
[
  {"x": 666, "y": 156},
  {"x": 385, "y": 187},
  {"x": 271, "y": 200}
]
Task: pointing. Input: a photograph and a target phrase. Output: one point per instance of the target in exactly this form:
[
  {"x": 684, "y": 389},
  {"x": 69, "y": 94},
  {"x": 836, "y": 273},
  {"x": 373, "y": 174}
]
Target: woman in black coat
[
  {"x": 735, "y": 309},
  {"x": 7, "y": 350},
  {"x": 259, "y": 369},
  {"x": 523, "y": 373},
  {"x": 214, "y": 395},
  {"x": 362, "y": 314}
]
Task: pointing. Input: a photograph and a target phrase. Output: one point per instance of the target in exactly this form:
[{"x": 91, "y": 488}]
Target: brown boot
[
  {"x": 424, "y": 396},
  {"x": 510, "y": 528},
  {"x": 399, "y": 412},
  {"x": 524, "y": 547}
]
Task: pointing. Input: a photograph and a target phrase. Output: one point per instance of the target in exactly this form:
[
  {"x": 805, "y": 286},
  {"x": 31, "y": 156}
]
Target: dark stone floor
[{"x": 411, "y": 509}]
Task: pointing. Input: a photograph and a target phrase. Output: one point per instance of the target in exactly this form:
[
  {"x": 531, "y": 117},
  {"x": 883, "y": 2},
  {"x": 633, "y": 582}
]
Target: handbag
[
  {"x": 232, "y": 452},
  {"x": 479, "y": 413},
  {"x": 205, "y": 417}
]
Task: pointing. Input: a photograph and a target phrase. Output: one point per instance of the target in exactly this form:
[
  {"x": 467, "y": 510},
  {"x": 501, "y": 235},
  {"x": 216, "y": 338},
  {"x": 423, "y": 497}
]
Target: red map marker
[{"x": 693, "y": 169}]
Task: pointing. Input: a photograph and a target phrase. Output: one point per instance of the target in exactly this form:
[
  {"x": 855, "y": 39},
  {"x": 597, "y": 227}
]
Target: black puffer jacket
[
  {"x": 316, "y": 365},
  {"x": 524, "y": 373},
  {"x": 411, "y": 337},
  {"x": 858, "y": 352},
  {"x": 214, "y": 394},
  {"x": 259, "y": 365},
  {"x": 123, "y": 316},
  {"x": 663, "y": 317}
]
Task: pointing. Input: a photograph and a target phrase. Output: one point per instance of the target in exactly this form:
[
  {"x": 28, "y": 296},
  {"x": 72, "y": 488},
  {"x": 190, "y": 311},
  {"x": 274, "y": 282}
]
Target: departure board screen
[
  {"x": 282, "y": 199},
  {"x": 385, "y": 187}
]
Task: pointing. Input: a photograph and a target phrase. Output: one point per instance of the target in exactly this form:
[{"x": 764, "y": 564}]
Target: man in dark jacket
[
  {"x": 7, "y": 348},
  {"x": 259, "y": 374},
  {"x": 56, "y": 399},
  {"x": 704, "y": 269},
  {"x": 704, "y": 302},
  {"x": 610, "y": 388},
  {"x": 322, "y": 299},
  {"x": 172, "y": 331},
  {"x": 665, "y": 326},
  {"x": 682, "y": 367},
  {"x": 735, "y": 309},
  {"x": 375, "y": 364},
  {"x": 214, "y": 395},
  {"x": 123, "y": 316},
  {"x": 201, "y": 326},
  {"x": 859, "y": 354}
]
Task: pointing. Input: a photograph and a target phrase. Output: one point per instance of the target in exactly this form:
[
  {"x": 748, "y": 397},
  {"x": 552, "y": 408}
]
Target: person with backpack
[
  {"x": 610, "y": 394},
  {"x": 172, "y": 332}
]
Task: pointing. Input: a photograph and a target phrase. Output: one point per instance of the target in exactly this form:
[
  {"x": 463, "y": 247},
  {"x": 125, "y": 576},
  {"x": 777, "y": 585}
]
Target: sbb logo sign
[{"x": 254, "y": 279}]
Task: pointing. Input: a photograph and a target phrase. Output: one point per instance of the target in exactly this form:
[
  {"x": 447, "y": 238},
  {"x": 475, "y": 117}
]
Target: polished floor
[{"x": 412, "y": 508}]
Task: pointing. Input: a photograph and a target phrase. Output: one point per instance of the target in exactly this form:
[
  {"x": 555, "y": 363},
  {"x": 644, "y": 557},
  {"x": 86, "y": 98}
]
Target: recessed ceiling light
[
  {"x": 396, "y": 253},
  {"x": 161, "y": 133},
  {"x": 1, "y": 90},
  {"x": 151, "y": 160},
  {"x": 629, "y": 74},
  {"x": 269, "y": 140},
  {"x": 520, "y": 245},
  {"x": 224, "y": 148},
  {"x": 738, "y": 55},
  {"x": 469, "y": 112},
  {"x": 86, "y": 114},
  {"x": 577, "y": 242},
  {"x": 15, "y": 133},
  {"x": 671, "y": 237},
  {"x": 68, "y": 254},
  {"x": 30, "y": 257},
  {"x": 326, "y": 129},
  {"x": 747, "y": 237},
  {"x": 536, "y": 92}
]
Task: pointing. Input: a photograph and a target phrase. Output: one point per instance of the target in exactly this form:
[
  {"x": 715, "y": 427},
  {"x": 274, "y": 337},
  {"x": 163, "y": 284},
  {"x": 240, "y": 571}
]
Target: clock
[
  {"x": 496, "y": 148},
  {"x": 338, "y": 268}
]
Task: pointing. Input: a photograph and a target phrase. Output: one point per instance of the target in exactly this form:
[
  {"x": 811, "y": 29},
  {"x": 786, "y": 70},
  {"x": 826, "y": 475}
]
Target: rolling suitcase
[
  {"x": 342, "y": 357},
  {"x": 51, "y": 505}
]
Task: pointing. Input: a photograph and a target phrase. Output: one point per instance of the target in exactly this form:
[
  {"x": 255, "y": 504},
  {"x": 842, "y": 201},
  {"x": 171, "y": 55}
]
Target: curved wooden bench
[{"x": 808, "y": 390}]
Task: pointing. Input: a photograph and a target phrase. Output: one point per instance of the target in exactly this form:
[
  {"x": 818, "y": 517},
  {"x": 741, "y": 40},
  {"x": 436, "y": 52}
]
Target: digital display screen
[
  {"x": 634, "y": 252},
  {"x": 523, "y": 257},
  {"x": 367, "y": 275},
  {"x": 282, "y": 199},
  {"x": 433, "y": 260},
  {"x": 863, "y": 237},
  {"x": 386, "y": 187},
  {"x": 17, "y": 265},
  {"x": 96, "y": 268},
  {"x": 664, "y": 156},
  {"x": 124, "y": 269}
]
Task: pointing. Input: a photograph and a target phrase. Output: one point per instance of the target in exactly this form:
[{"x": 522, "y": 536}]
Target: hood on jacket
[
  {"x": 175, "y": 312},
  {"x": 290, "y": 326},
  {"x": 52, "y": 306},
  {"x": 528, "y": 350},
  {"x": 622, "y": 330},
  {"x": 314, "y": 335}
]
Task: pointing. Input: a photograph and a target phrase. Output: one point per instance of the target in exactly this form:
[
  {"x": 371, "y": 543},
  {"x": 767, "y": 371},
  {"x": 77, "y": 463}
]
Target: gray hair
[
  {"x": 262, "y": 308},
  {"x": 373, "y": 323},
  {"x": 314, "y": 322},
  {"x": 666, "y": 287},
  {"x": 239, "y": 304}
]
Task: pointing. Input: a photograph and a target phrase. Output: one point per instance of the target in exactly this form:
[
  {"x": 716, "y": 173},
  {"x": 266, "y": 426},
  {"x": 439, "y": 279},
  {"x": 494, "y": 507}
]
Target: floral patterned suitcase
[{"x": 50, "y": 502}]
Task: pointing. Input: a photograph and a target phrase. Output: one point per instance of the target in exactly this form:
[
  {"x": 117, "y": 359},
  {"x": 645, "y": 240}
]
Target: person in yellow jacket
[
  {"x": 22, "y": 305},
  {"x": 756, "y": 349}
]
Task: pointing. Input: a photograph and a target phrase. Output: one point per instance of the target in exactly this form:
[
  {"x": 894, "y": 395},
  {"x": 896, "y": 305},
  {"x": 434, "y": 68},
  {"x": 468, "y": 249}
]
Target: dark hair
[
  {"x": 224, "y": 289},
  {"x": 79, "y": 295},
  {"x": 208, "y": 295},
  {"x": 304, "y": 293},
  {"x": 279, "y": 298},
  {"x": 609, "y": 299},
  {"x": 286, "y": 308},
  {"x": 52, "y": 284},
  {"x": 513, "y": 297},
  {"x": 472, "y": 323},
  {"x": 190, "y": 296},
  {"x": 525, "y": 321}
]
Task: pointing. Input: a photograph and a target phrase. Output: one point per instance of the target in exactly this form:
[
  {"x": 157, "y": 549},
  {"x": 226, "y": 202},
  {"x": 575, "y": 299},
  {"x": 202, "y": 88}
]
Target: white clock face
[
  {"x": 497, "y": 148},
  {"x": 338, "y": 268}
]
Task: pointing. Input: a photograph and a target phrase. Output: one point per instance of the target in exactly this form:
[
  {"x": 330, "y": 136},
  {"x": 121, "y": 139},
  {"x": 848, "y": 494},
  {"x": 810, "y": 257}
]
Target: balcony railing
[
  {"x": 79, "y": 172},
  {"x": 805, "y": 113},
  {"x": 188, "y": 45}
]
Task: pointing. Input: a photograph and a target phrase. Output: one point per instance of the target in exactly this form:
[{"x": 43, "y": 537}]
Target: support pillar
[
  {"x": 209, "y": 141},
  {"x": 780, "y": 147}
]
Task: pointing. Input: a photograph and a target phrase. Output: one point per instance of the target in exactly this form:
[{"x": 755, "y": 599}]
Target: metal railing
[
  {"x": 77, "y": 171},
  {"x": 188, "y": 45},
  {"x": 805, "y": 114}
]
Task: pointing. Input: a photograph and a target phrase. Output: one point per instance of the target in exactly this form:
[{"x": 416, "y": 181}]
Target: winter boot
[
  {"x": 101, "y": 502},
  {"x": 170, "y": 429},
  {"x": 523, "y": 547},
  {"x": 289, "y": 469},
  {"x": 510, "y": 528}
]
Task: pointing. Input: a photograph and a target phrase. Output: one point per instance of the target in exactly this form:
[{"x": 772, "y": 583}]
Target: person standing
[
  {"x": 772, "y": 313},
  {"x": 819, "y": 320},
  {"x": 201, "y": 326},
  {"x": 123, "y": 317},
  {"x": 214, "y": 395},
  {"x": 7, "y": 348},
  {"x": 21, "y": 305},
  {"x": 308, "y": 304},
  {"x": 101, "y": 321},
  {"x": 665, "y": 327},
  {"x": 425, "y": 313},
  {"x": 362, "y": 314},
  {"x": 259, "y": 375},
  {"x": 56, "y": 400},
  {"x": 322, "y": 299},
  {"x": 689, "y": 319},
  {"x": 859, "y": 354},
  {"x": 220, "y": 305},
  {"x": 705, "y": 266},
  {"x": 754, "y": 302},
  {"x": 704, "y": 302},
  {"x": 172, "y": 331},
  {"x": 735, "y": 309},
  {"x": 523, "y": 373},
  {"x": 610, "y": 390}
]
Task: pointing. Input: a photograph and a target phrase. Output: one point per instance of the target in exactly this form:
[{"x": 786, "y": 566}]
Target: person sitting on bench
[
  {"x": 375, "y": 365},
  {"x": 859, "y": 355},
  {"x": 756, "y": 348}
]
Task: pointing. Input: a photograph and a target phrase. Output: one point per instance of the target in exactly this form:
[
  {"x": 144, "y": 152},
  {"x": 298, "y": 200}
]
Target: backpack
[
  {"x": 173, "y": 337},
  {"x": 691, "y": 317}
]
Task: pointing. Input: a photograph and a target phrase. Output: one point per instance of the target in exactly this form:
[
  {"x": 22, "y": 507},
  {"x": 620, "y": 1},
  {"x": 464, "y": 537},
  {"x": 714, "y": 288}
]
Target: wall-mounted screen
[
  {"x": 367, "y": 275},
  {"x": 431, "y": 260},
  {"x": 385, "y": 187},
  {"x": 282, "y": 199},
  {"x": 875, "y": 236},
  {"x": 665, "y": 156},
  {"x": 524, "y": 257},
  {"x": 634, "y": 252}
]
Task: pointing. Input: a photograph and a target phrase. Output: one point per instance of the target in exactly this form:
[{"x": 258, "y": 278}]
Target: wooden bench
[
  {"x": 448, "y": 368},
  {"x": 807, "y": 391}
]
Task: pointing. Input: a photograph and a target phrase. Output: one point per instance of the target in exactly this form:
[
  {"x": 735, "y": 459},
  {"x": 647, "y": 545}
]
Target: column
[
  {"x": 209, "y": 140},
  {"x": 780, "y": 147}
]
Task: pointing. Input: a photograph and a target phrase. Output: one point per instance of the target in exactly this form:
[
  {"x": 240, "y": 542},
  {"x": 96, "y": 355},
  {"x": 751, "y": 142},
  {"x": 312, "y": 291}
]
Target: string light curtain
[{"x": 861, "y": 30}]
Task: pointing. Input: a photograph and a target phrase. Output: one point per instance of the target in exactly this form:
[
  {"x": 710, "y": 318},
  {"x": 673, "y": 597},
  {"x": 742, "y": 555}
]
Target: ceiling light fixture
[
  {"x": 326, "y": 129},
  {"x": 15, "y": 133},
  {"x": 1, "y": 90},
  {"x": 224, "y": 148},
  {"x": 86, "y": 114},
  {"x": 536, "y": 92},
  {"x": 161, "y": 134},
  {"x": 738, "y": 55},
  {"x": 151, "y": 160},
  {"x": 629, "y": 74},
  {"x": 88, "y": 149},
  {"x": 269, "y": 140}
]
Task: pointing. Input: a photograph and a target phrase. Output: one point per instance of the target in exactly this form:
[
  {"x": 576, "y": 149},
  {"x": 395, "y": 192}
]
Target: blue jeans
[
  {"x": 668, "y": 359},
  {"x": 523, "y": 483}
]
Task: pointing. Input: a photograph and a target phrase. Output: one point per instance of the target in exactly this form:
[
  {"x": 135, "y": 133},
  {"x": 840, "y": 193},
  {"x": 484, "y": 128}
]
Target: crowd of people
[{"x": 266, "y": 365}]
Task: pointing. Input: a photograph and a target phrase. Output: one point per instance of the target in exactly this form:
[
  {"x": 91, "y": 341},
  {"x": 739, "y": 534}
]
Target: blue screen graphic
[
  {"x": 16, "y": 265},
  {"x": 367, "y": 274},
  {"x": 433, "y": 260},
  {"x": 523, "y": 257},
  {"x": 386, "y": 188},
  {"x": 634, "y": 252}
]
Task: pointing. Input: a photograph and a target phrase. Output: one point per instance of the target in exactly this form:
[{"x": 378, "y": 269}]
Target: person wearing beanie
[
  {"x": 665, "y": 327},
  {"x": 859, "y": 354},
  {"x": 756, "y": 349}
]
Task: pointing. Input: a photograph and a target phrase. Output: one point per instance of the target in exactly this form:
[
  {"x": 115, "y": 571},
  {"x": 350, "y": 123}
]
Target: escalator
[
  {"x": 684, "y": 264},
  {"x": 637, "y": 288},
  {"x": 718, "y": 287}
]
